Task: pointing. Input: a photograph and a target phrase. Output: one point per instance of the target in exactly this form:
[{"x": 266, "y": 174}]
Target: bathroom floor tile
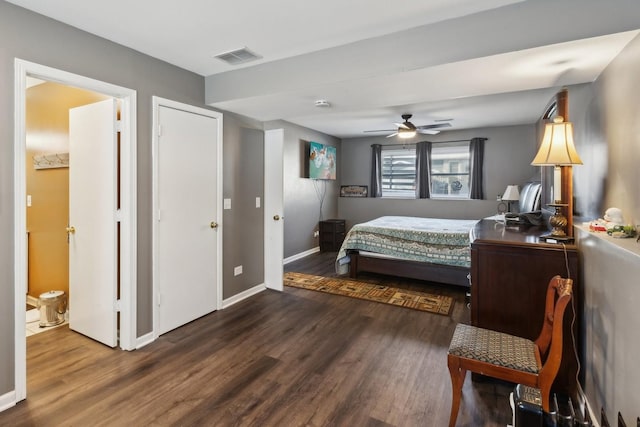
[{"x": 33, "y": 326}]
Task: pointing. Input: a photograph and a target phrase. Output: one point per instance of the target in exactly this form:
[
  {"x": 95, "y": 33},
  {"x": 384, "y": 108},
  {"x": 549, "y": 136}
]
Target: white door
[
  {"x": 92, "y": 221},
  {"x": 186, "y": 229},
  {"x": 273, "y": 209}
]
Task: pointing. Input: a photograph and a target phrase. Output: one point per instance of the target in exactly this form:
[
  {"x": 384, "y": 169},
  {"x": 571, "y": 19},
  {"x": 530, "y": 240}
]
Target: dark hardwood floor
[{"x": 296, "y": 358}]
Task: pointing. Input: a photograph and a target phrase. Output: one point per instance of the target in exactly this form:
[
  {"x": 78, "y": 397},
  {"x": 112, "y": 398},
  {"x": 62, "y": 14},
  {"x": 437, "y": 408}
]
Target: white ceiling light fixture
[
  {"x": 323, "y": 103},
  {"x": 406, "y": 133}
]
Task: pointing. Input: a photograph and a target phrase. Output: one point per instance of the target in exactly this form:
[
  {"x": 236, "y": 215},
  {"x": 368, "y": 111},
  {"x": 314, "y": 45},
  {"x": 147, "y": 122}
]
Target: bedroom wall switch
[
  {"x": 227, "y": 204},
  {"x": 257, "y": 202},
  {"x": 28, "y": 200},
  {"x": 237, "y": 270}
]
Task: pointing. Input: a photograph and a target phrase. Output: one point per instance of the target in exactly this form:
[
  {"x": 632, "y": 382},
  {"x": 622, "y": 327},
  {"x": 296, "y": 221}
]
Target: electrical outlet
[
  {"x": 316, "y": 234},
  {"x": 499, "y": 198}
]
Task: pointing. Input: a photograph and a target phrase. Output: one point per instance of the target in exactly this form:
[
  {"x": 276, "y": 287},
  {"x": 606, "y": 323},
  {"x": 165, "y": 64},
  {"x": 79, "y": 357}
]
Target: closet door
[{"x": 187, "y": 230}]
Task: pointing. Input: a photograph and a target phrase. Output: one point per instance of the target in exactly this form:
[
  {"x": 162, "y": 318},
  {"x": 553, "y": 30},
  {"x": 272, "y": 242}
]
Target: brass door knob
[
  {"x": 213, "y": 224},
  {"x": 276, "y": 217},
  {"x": 71, "y": 230}
]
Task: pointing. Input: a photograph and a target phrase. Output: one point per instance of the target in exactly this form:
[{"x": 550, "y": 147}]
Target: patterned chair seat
[{"x": 495, "y": 348}]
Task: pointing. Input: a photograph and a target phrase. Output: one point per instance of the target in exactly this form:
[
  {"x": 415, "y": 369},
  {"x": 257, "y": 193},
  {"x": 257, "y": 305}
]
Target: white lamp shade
[
  {"x": 511, "y": 194},
  {"x": 557, "y": 148}
]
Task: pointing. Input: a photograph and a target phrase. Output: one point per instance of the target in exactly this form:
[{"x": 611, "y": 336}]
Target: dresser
[
  {"x": 510, "y": 271},
  {"x": 332, "y": 232}
]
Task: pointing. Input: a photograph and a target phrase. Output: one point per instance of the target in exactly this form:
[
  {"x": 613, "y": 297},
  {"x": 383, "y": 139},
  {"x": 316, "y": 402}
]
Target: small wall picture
[{"x": 354, "y": 191}]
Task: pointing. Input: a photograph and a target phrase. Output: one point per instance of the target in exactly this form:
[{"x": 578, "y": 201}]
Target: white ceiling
[{"x": 480, "y": 63}]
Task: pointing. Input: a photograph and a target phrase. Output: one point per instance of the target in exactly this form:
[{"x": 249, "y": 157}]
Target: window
[
  {"x": 450, "y": 170},
  {"x": 399, "y": 172},
  {"x": 449, "y": 167}
]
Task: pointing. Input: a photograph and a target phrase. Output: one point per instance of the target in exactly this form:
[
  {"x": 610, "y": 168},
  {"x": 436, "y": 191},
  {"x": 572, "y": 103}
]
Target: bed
[{"x": 430, "y": 249}]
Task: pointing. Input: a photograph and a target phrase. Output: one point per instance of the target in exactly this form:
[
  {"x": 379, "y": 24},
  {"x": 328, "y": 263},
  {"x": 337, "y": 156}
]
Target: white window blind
[{"x": 399, "y": 172}]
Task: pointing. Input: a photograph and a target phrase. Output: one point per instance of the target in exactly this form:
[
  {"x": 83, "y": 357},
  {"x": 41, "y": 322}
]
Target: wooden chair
[{"x": 508, "y": 357}]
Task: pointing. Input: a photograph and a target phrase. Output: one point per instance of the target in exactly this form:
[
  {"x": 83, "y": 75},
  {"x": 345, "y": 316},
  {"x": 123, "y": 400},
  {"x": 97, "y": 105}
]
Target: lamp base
[{"x": 558, "y": 221}]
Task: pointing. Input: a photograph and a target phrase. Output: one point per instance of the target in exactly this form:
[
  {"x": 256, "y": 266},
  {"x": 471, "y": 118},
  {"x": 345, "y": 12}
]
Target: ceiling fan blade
[
  {"x": 392, "y": 135},
  {"x": 434, "y": 126},
  {"x": 428, "y": 131},
  {"x": 402, "y": 125},
  {"x": 380, "y": 130}
]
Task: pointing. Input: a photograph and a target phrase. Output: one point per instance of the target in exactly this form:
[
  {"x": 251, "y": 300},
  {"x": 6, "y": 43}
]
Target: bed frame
[{"x": 439, "y": 273}]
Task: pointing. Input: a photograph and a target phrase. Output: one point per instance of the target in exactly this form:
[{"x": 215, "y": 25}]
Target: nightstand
[{"x": 332, "y": 232}]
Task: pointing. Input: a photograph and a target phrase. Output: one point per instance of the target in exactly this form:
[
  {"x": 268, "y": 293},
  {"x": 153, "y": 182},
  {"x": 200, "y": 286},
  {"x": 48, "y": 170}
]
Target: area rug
[{"x": 439, "y": 304}]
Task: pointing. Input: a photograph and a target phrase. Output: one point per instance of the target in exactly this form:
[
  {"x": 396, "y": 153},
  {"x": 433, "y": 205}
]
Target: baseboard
[
  {"x": 243, "y": 295},
  {"x": 301, "y": 255},
  {"x": 32, "y": 300},
  {"x": 144, "y": 340},
  {"x": 7, "y": 400},
  {"x": 595, "y": 419}
]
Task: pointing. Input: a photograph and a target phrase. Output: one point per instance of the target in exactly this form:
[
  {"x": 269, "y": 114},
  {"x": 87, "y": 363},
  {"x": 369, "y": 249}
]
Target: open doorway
[
  {"x": 47, "y": 184},
  {"x": 124, "y": 171}
]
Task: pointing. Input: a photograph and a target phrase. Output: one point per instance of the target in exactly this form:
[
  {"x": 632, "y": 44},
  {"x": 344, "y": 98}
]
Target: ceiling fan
[{"x": 407, "y": 129}]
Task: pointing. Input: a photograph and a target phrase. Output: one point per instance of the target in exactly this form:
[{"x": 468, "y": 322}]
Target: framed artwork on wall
[{"x": 354, "y": 191}]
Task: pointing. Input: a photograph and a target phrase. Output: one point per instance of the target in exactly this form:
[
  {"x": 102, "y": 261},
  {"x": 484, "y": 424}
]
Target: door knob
[
  {"x": 71, "y": 230},
  {"x": 213, "y": 224},
  {"x": 276, "y": 217}
]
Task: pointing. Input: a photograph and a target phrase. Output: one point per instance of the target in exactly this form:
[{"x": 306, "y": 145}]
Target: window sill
[
  {"x": 450, "y": 198},
  {"x": 429, "y": 198},
  {"x": 399, "y": 197}
]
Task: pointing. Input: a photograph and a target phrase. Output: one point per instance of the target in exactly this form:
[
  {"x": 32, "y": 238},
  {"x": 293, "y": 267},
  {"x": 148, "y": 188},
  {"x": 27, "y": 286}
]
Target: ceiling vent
[{"x": 238, "y": 56}]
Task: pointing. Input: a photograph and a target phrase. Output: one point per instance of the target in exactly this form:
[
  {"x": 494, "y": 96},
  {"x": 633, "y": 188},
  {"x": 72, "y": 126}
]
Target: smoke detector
[{"x": 322, "y": 103}]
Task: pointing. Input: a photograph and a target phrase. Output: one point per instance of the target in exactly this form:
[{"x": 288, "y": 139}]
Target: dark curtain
[
  {"x": 376, "y": 170},
  {"x": 476, "y": 153},
  {"x": 423, "y": 170}
]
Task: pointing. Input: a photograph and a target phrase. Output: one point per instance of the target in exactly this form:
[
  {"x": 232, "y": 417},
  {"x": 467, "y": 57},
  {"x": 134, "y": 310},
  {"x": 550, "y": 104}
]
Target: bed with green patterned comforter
[{"x": 434, "y": 240}]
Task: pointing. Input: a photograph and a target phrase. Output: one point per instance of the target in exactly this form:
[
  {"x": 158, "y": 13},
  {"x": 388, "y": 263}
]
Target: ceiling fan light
[{"x": 406, "y": 133}]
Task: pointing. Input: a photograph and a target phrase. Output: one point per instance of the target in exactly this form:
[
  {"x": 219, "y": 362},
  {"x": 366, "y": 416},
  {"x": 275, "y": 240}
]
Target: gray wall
[
  {"x": 508, "y": 154},
  {"x": 34, "y": 38},
  {"x": 302, "y": 196},
  {"x": 605, "y": 117},
  {"x": 585, "y": 111},
  {"x": 243, "y": 164}
]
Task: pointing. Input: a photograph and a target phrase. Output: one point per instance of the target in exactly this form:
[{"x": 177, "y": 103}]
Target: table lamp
[
  {"x": 558, "y": 149},
  {"x": 511, "y": 194}
]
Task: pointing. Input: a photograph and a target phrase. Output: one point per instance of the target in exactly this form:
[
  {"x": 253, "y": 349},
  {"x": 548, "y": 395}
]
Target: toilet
[{"x": 52, "y": 306}]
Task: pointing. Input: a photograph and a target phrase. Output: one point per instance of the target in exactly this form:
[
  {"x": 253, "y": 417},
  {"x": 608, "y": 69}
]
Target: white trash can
[{"x": 52, "y": 306}]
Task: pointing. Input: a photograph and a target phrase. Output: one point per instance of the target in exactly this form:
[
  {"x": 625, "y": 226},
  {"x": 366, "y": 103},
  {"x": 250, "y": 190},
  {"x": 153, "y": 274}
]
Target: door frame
[
  {"x": 126, "y": 215},
  {"x": 162, "y": 102}
]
